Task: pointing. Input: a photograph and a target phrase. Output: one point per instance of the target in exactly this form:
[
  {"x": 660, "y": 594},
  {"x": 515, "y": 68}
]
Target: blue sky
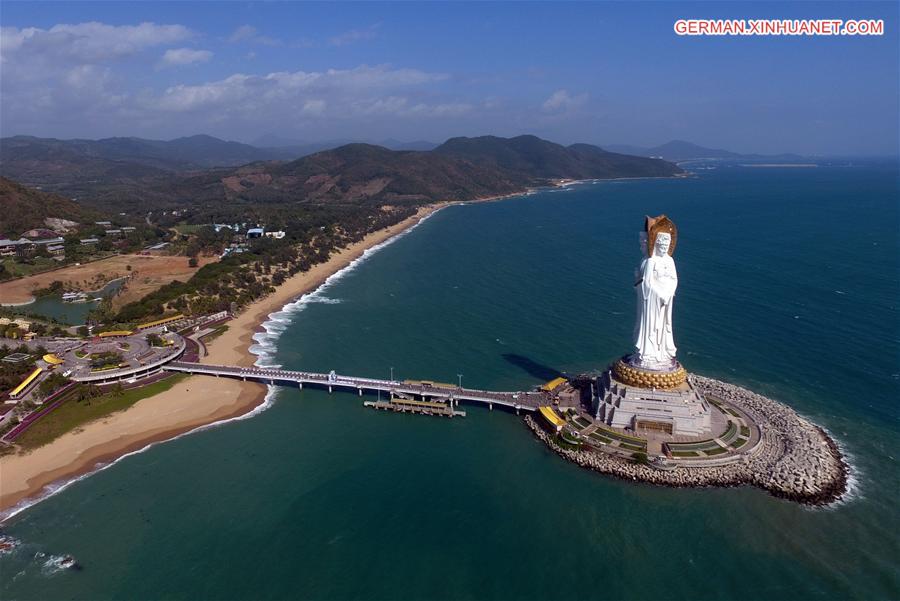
[{"x": 602, "y": 73}]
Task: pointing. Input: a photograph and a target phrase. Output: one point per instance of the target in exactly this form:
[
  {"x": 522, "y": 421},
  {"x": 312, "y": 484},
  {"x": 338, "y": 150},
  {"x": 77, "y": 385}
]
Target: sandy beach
[{"x": 194, "y": 402}]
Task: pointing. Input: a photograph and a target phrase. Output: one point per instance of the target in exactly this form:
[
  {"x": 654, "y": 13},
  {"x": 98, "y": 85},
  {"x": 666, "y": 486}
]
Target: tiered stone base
[
  {"x": 644, "y": 378},
  {"x": 795, "y": 459}
]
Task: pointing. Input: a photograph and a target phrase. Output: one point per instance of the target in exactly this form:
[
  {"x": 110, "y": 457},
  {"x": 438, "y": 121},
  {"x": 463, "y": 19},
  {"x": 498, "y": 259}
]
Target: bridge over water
[{"x": 520, "y": 400}]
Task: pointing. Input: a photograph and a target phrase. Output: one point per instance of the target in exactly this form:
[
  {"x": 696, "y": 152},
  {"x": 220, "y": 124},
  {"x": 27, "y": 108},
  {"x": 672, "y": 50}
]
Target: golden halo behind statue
[{"x": 656, "y": 225}]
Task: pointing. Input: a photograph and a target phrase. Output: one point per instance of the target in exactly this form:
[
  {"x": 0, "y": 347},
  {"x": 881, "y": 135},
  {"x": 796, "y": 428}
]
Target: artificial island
[{"x": 644, "y": 418}]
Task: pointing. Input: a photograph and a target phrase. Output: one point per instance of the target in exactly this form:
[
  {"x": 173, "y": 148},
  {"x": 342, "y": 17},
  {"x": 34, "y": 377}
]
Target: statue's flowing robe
[{"x": 654, "y": 341}]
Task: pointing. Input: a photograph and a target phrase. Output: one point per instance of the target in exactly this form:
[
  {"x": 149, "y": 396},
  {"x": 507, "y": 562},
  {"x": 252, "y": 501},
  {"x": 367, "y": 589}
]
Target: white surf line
[{"x": 265, "y": 350}]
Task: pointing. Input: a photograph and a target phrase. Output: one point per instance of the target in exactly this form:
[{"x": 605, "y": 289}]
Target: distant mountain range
[
  {"x": 274, "y": 141},
  {"x": 679, "y": 150},
  {"x": 133, "y": 174}
]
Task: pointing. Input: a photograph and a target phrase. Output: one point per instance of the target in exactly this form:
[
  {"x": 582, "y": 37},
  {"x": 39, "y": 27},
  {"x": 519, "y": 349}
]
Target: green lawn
[
  {"x": 716, "y": 451},
  {"x": 632, "y": 440},
  {"x": 17, "y": 269},
  {"x": 685, "y": 454},
  {"x": 632, "y": 447},
  {"x": 72, "y": 414},
  {"x": 187, "y": 228}
]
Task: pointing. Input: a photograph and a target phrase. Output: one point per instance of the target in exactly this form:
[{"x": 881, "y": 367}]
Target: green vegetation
[
  {"x": 322, "y": 202},
  {"x": 105, "y": 360},
  {"x": 739, "y": 443},
  {"x": 155, "y": 340},
  {"x": 51, "y": 384},
  {"x": 600, "y": 438},
  {"x": 685, "y": 454},
  {"x": 566, "y": 442},
  {"x": 11, "y": 268},
  {"x": 569, "y": 438},
  {"x": 632, "y": 443},
  {"x": 12, "y": 374},
  {"x": 633, "y": 447},
  {"x": 84, "y": 405},
  {"x": 745, "y": 431},
  {"x": 640, "y": 457},
  {"x": 715, "y": 451},
  {"x": 314, "y": 233},
  {"x": 730, "y": 433}
]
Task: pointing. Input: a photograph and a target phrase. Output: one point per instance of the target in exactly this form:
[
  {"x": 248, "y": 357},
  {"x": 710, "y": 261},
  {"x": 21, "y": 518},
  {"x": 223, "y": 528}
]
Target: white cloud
[
  {"x": 355, "y": 35},
  {"x": 248, "y": 33},
  {"x": 91, "y": 42},
  {"x": 347, "y": 86},
  {"x": 185, "y": 56},
  {"x": 73, "y": 80},
  {"x": 561, "y": 100}
]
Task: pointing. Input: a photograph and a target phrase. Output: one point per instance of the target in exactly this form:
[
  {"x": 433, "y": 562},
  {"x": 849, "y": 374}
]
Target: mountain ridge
[{"x": 105, "y": 175}]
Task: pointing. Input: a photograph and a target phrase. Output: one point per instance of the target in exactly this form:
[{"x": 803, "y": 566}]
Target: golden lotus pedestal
[{"x": 645, "y": 378}]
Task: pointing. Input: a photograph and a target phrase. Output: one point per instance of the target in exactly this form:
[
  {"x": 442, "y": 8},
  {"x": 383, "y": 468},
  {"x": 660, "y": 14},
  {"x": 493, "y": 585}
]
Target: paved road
[{"x": 528, "y": 401}]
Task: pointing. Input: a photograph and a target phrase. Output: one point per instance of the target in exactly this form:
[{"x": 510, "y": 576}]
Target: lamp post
[
  {"x": 392, "y": 375},
  {"x": 460, "y": 379}
]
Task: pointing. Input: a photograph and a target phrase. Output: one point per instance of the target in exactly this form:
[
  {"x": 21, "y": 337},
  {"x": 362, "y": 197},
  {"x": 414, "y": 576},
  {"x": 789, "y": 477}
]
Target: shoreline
[
  {"x": 799, "y": 461},
  {"x": 29, "y": 478},
  {"x": 196, "y": 403}
]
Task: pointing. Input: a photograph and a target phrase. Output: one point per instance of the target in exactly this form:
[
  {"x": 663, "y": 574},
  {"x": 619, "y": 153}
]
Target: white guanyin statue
[{"x": 657, "y": 280}]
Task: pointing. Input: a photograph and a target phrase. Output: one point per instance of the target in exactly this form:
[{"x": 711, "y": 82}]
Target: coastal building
[
  {"x": 12, "y": 247},
  {"x": 89, "y": 241},
  {"x": 278, "y": 235},
  {"x": 58, "y": 251},
  {"x": 25, "y": 247},
  {"x": 255, "y": 232},
  {"x": 104, "y": 224}
]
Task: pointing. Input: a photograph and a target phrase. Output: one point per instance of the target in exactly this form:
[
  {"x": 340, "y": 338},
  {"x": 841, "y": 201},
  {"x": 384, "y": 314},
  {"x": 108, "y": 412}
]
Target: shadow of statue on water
[{"x": 533, "y": 368}]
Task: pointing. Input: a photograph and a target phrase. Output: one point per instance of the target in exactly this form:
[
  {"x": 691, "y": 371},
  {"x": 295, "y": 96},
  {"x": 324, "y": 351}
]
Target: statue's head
[
  {"x": 656, "y": 228},
  {"x": 663, "y": 242}
]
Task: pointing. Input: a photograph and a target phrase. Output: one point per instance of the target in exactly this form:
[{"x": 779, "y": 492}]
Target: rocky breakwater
[{"x": 795, "y": 459}]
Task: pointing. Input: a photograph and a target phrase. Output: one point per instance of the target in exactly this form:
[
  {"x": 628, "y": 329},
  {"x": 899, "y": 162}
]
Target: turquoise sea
[{"x": 789, "y": 285}]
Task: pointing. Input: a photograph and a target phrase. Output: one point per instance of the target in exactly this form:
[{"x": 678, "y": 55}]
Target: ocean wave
[
  {"x": 264, "y": 350},
  {"x": 277, "y": 321},
  {"x": 854, "y": 490}
]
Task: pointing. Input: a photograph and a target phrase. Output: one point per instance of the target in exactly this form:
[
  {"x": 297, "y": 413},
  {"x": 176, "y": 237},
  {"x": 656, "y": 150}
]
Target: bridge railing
[{"x": 518, "y": 398}]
